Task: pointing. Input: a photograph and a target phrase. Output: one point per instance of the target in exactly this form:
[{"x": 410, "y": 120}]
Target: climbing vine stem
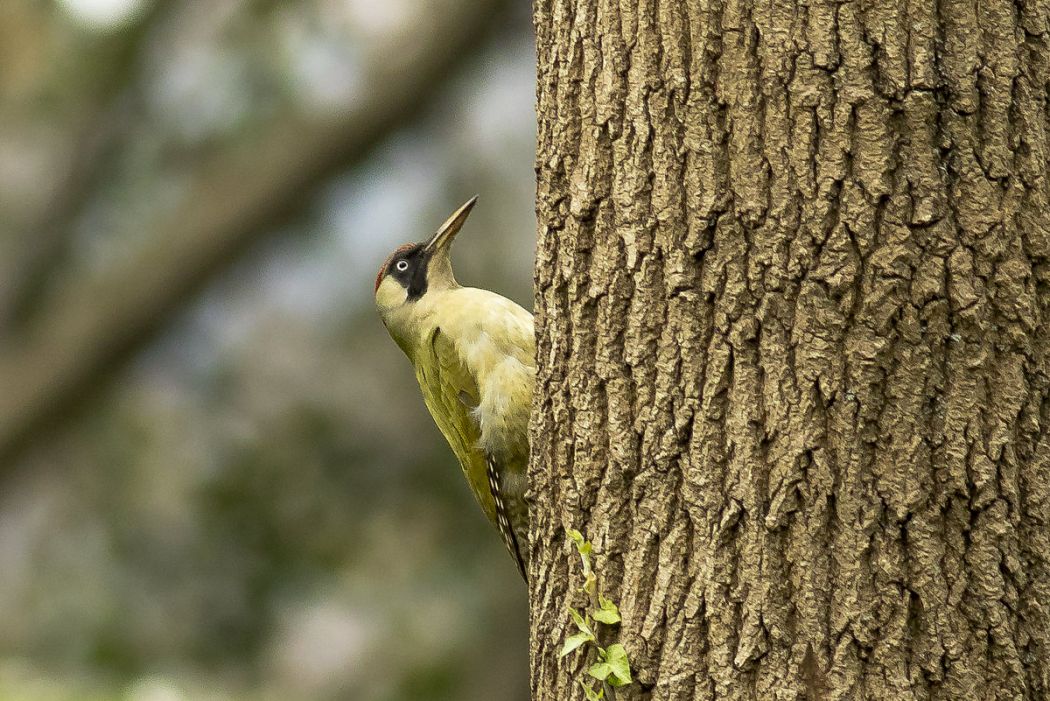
[{"x": 610, "y": 667}]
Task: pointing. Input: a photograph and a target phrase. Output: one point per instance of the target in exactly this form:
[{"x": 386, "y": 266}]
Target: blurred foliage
[{"x": 258, "y": 506}]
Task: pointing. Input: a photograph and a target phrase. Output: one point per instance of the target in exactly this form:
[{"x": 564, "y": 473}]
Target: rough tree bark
[{"x": 793, "y": 305}]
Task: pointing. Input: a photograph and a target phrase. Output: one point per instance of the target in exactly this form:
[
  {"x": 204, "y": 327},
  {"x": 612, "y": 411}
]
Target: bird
[{"x": 473, "y": 352}]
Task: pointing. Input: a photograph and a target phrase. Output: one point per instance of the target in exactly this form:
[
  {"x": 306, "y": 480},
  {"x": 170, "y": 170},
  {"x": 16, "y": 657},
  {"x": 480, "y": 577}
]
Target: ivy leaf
[
  {"x": 583, "y": 547},
  {"x": 608, "y": 613},
  {"x": 590, "y": 583},
  {"x": 616, "y": 658},
  {"x": 600, "y": 670},
  {"x": 581, "y": 622},
  {"x": 590, "y": 693},
  {"x": 575, "y": 641}
]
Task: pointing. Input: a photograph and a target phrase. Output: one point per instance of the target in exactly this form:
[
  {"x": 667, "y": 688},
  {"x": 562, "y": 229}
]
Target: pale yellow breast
[{"x": 495, "y": 340}]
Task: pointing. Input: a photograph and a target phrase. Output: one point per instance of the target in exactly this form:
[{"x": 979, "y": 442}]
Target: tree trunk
[{"x": 793, "y": 317}]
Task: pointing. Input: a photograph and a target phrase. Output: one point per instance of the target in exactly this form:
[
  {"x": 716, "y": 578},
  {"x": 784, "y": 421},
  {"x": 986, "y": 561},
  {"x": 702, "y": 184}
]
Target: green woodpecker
[{"x": 473, "y": 353}]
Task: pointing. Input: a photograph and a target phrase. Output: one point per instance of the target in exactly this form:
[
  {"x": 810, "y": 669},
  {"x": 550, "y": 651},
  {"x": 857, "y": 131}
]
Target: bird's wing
[{"x": 451, "y": 395}]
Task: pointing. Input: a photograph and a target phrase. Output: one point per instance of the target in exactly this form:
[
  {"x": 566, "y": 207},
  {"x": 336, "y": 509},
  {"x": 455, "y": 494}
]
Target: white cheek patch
[{"x": 390, "y": 294}]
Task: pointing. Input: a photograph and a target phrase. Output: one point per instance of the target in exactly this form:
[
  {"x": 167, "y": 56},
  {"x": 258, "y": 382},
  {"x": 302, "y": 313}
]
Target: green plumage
[
  {"x": 494, "y": 469},
  {"x": 451, "y": 394}
]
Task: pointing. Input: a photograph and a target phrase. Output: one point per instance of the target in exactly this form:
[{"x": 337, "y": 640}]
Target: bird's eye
[{"x": 401, "y": 265}]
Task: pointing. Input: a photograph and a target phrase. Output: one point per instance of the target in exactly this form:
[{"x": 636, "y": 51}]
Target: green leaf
[
  {"x": 583, "y": 547},
  {"x": 574, "y": 641},
  {"x": 608, "y": 613},
  {"x": 600, "y": 670},
  {"x": 590, "y": 583},
  {"x": 616, "y": 658},
  {"x": 590, "y": 693},
  {"x": 581, "y": 622}
]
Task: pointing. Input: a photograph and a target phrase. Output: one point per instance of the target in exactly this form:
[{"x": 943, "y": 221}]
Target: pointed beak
[{"x": 447, "y": 231}]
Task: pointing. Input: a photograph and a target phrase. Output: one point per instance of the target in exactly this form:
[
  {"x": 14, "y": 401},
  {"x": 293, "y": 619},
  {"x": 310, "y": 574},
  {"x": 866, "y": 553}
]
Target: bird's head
[{"x": 415, "y": 269}]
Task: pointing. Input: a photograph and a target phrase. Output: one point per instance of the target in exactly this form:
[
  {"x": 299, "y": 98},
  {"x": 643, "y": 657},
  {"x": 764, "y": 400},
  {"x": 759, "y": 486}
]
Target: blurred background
[{"x": 217, "y": 477}]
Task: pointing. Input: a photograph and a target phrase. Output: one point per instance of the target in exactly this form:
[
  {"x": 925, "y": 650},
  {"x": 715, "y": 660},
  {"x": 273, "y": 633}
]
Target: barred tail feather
[{"x": 502, "y": 521}]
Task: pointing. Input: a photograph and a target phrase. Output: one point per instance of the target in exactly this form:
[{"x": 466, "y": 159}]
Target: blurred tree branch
[
  {"x": 99, "y": 126},
  {"x": 238, "y": 196}
]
